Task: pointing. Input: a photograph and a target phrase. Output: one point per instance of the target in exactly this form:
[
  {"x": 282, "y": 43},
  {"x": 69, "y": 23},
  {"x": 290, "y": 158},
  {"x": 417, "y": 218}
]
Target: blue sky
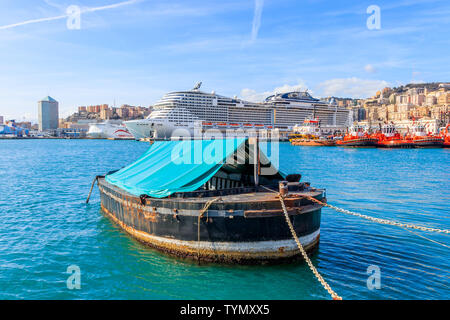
[{"x": 135, "y": 51}]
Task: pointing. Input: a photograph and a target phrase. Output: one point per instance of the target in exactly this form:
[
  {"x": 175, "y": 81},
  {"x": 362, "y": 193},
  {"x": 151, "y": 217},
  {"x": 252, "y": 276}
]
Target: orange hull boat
[
  {"x": 389, "y": 137},
  {"x": 313, "y": 142},
  {"x": 395, "y": 143},
  {"x": 357, "y": 137},
  {"x": 421, "y": 138},
  {"x": 446, "y": 137},
  {"x": 428, "y": 142},
  {"x": 350, "y": 141}
]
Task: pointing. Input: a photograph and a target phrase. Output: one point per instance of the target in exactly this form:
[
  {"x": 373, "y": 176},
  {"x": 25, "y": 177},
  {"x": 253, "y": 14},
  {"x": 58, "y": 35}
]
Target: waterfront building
[
  {"x": 418, "y": 99},
  {"x": 444, "y": 99},
  {"x": 431, "y": 100},
  {"x": 404, "y": 126},
  {"x": 48, "y": 114},
  {"x": 123, "y": 112},
  {"x": 105, "y": 114}
]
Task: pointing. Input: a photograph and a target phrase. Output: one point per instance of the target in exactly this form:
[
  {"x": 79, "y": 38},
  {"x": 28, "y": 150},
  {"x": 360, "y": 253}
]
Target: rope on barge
[
  {"x": 200, "y": 216},
  {"x": 378, "y": 220},
  {"x": 319, "y": 277},
  {"x": 92, "y": 187},
  {"x": 305, "y": 256}
]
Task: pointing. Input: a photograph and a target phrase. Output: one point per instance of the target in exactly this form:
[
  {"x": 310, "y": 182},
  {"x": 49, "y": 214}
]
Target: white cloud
[
  {"x": 111, "y": 6},
  {"x": 257, "y": 19},
  {"x": 84, "y": 10},
  {"x": 351, "y": 87},
  {"x": 253, "y": 95},
  {"x": 370, "y": 68}
]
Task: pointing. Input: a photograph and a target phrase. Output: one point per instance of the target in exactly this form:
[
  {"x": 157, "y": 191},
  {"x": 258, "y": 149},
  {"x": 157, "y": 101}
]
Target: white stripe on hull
[{"x": 241, "y": 247}]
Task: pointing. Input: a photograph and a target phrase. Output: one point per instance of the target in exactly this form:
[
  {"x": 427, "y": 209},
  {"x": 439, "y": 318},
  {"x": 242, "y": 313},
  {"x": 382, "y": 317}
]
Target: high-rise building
[
  {"x": 105, "y": 114},
  {"x": 48, "y": 114},
  {"x": 1, "y": 119}
]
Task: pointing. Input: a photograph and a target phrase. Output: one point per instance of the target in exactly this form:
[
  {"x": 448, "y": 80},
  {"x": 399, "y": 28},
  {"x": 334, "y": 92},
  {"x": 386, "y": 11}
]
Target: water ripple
[{"x": 46, "y": 227}]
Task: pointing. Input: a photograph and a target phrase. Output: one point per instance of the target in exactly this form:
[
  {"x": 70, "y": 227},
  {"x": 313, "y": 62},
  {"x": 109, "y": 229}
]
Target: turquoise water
[{"x": 45, "y": 226}]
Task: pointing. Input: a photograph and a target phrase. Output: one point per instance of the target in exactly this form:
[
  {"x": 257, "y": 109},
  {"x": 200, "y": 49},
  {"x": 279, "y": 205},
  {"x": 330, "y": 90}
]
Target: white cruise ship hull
[
  {"x": 107, "y": 130},
  {"x": 146, "y": 128}
]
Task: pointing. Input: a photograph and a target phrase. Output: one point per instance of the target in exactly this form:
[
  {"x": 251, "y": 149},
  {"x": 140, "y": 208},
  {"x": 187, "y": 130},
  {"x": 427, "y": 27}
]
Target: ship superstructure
[{"x": 179, "y": 112}]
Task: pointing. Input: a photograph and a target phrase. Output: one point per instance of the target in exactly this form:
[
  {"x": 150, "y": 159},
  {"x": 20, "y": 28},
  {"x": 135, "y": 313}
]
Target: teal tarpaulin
[{"x": 174, "y": 166}]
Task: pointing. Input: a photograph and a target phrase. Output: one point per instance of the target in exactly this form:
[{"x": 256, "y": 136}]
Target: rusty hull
[{"x": 240, "y": 228}]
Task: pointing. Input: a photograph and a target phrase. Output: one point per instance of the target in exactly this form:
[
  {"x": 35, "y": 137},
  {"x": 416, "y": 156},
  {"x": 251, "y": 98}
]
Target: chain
[
  {"x": 378, "y": 220},
  {"x": 305, "y": 256}
]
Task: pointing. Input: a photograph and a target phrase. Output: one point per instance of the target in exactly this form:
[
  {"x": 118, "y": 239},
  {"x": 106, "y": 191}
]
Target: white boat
[
  {"x": 182, "y": 109},
  {"x": 310, "y": 127},
  {"x": 110, "y": 129}
]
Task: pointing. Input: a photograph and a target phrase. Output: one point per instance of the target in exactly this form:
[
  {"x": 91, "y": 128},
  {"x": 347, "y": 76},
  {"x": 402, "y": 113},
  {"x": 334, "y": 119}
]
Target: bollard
[{"x": 283, "y": 188}]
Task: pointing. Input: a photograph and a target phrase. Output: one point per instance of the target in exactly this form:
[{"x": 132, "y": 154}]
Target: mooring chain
[
  {"x": 378, "y": 220},
  {"x": 305, "y": 256}
]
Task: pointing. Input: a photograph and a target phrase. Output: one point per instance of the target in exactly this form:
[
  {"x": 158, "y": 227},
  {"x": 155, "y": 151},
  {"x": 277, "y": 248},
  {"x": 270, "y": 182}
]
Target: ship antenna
[{"x": 197, "y": 86}]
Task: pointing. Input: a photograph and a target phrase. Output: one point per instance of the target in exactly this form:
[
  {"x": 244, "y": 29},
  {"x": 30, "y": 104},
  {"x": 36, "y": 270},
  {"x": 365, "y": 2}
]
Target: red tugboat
[
  {"x": 357, "y": 137},
  {"x": 445, "y": 134},
  {"x": 421, "y": 139},
  {"x": 389, "y": 137}
]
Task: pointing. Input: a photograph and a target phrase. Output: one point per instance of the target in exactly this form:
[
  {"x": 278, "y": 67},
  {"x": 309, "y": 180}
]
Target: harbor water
[{"x": 45, "y": 227}]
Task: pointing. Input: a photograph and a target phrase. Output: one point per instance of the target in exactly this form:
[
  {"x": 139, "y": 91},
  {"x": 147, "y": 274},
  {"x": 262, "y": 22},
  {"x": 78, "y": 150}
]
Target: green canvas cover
[{"x": 174, "y": 166}]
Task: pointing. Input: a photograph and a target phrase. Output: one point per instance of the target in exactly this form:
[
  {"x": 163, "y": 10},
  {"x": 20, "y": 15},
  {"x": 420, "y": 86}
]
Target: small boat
[
  {"x": 310, "y": 127},
  {"x": 445, "y": 134},
  {"x": 313, "y": 142},
  {"x": 224, "y": 209},
  {"x": 421, "y": 139},
  {"x": 310, "y": 134},
  {"x": 389, "y": 137},
  {"x": 357, "y": 137}
]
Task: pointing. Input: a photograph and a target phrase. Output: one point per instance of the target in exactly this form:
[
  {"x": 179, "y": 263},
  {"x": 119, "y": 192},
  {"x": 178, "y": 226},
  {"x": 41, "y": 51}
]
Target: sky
[{"x": 135, "y": 51}]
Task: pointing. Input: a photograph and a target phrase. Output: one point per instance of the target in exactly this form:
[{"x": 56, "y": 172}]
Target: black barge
[{"x": 232, "y": 214}]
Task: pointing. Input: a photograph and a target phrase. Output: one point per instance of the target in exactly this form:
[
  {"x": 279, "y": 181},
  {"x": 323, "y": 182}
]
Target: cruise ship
[
  {"x": 292, "y": 108},
  {"x": 186, "y": 109},
  {"x": 110, "y": 129}
]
